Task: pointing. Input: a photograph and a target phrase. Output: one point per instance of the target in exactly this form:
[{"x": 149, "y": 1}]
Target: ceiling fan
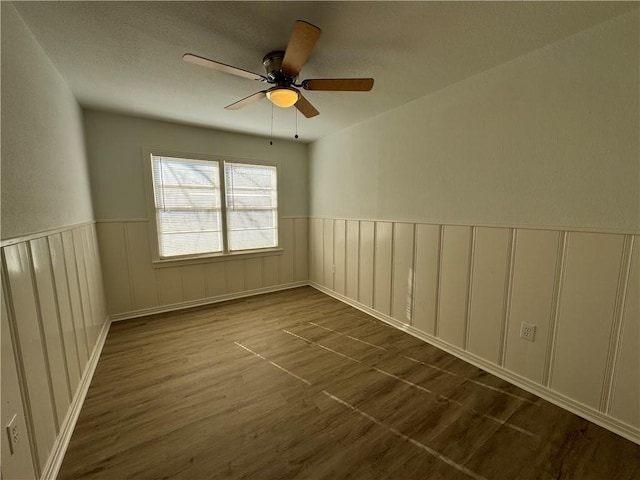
[{"x": 283, "y": 68}]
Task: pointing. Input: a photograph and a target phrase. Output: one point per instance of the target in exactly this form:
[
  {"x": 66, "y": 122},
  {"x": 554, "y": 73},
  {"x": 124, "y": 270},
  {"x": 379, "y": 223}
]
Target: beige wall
[
  {"x": 511, "y": 196},
  {"x": 44, "y": 174},
  {"x": 52, "y": 296},
  {"x": 114, "y": 151},
  {"x": 133, "y": 283},
  {"x": 548, "y": 139}
]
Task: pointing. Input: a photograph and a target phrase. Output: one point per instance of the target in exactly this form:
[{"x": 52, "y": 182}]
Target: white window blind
[
  {"x": 188, "y": 207},
  {"x": 252, "y": 206}
]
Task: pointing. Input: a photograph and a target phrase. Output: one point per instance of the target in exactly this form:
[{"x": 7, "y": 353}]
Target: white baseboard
[
  {"x": 204, "y": 301},
  {"x": 54, "y": 462},
  {"x": 616, "y": 426}
]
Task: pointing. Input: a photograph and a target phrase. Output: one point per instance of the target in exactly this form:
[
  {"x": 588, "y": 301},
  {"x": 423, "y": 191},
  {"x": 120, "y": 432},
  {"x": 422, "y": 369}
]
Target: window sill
[{"x": 216, "y": 257}]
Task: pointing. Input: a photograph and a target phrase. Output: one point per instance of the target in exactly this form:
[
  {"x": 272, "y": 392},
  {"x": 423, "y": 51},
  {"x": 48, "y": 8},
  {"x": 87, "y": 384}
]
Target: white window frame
[{"x": 226, "y": 254}]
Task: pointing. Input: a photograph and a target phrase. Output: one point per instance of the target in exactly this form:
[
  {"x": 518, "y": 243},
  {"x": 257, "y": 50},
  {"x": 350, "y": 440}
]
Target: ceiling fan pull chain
[
  {"x": 271, "y": 137},
  {"x": 296, "y": 135}
]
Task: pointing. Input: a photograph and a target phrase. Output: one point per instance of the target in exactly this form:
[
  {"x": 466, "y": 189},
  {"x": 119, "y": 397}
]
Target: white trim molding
[
  {"x": 59, "y": 449},
  {"x": 201, "y": 302}
]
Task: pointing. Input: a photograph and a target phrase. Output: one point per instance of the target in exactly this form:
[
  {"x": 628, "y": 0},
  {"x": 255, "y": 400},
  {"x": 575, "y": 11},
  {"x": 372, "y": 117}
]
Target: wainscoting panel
[
  {"x": 50, "y": 327},
  {"x": 316, "y": 254},
  {"x": 143, "y": 276},
  {"x": 328, "y": 265},
  {"x": 193, "y": 285},
  {"x": 52, "y": 313},
  {"x": 403, "y": 249},
  {"x": 90, "y": 324},
  {"x": 286, "y": 261},
  {"x": 235, "y": 274},
  {"x": 20, "y": 463},
  {"x": 427, "y": 270},
  {"x": 170, "y": 285},
  {"x": 625, "y": 402},
  {"x": 365, "y": 262},
  {"x": 32, "y": 355},
  {"x": 339, "y": 251},
  {"x": 300, "y": 251},
  {"x": 532, "y": 301},
  {"x": 472, "y": 287},
  {"x": 113, "y": 252},
  {"x": 454, "y": 285},
  {"x": 94, "y": 273},
  {"x": 135, "y": 285},
  {"x": 77, "y": 314},
  {"x": 270, "y": 272},
  {"x": 74, "y": 367},
  {"x": 488, "y": 295},
  {"x": 585, "y": 317},
  {"x": 382, "y": 267},
  {"x": 252, "y": 273},
  {"x": 214, "y": 279},
  {"x": 352, "y": 259}
]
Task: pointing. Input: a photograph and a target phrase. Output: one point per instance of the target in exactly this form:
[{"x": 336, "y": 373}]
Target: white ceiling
[{"x": 127, "y": 56}]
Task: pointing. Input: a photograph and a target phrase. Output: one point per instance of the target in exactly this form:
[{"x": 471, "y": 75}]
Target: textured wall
[
  {"x": 114, "y": 151},
  {"x": 45, "y": 183},
  {"x": 549, "y": 139}
]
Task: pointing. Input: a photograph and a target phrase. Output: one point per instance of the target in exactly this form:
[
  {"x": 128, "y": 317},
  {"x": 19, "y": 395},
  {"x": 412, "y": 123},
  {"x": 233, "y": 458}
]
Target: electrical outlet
[
  {"x": 333, "y": 269},
  {"x": 527, "y": 331},
  {"x": 13, "y": 433}
]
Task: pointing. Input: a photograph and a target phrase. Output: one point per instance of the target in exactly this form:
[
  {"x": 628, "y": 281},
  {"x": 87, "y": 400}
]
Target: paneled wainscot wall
[
  {"x": 135, "y": 286},
  {"x": 467, "y": 289},
  {"x": 53, "y": 326}
]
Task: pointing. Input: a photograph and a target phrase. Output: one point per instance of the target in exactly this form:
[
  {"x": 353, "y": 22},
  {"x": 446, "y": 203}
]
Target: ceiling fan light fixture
[{"x": 283, "y": 97}]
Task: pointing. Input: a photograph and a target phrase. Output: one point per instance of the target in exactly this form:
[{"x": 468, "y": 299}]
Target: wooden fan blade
[
  {"x": 303, "y": 38},
  {"x": 221, "y": 67},
  {"x": 339, "y": 84},
  {"x": 305, "y": 108},
  {"x": 254, "y": 97}
]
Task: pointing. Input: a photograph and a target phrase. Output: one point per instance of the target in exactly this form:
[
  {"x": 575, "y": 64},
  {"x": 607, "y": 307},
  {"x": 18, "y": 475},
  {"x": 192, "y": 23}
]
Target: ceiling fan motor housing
[{"x": 272, "y": 63}]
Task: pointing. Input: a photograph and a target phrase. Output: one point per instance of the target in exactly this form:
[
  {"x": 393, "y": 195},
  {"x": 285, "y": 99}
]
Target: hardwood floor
[{"x": 297, "y": 385}]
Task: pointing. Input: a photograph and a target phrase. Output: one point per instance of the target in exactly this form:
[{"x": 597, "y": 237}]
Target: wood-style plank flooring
[{"x": 296, "y": 385}]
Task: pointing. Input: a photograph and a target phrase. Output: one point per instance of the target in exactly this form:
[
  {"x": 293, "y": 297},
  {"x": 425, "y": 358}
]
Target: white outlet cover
[{"x": 527, "y": 331}]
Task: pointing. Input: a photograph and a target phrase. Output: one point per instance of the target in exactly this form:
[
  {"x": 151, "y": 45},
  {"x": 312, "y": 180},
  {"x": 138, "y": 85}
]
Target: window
[
  {"x": 252, "y": 199},
  {"x": 213, "y": 206}
]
